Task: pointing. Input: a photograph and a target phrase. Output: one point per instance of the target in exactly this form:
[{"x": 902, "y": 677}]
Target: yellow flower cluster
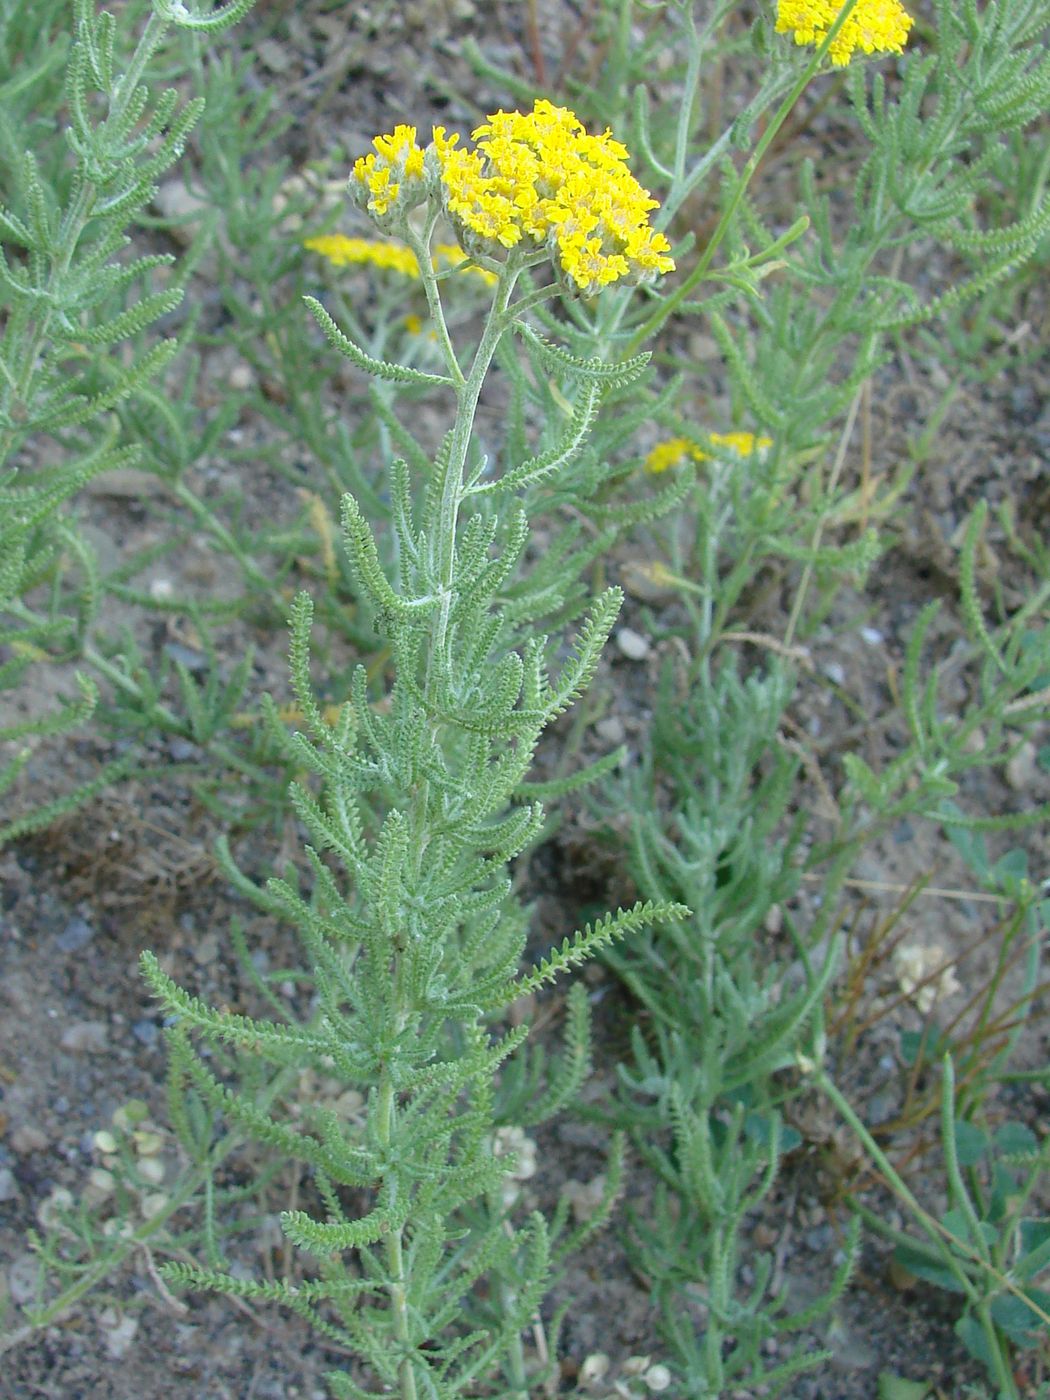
[
  {"x": 675, "y": 450},
  {"x": 873, "y": 26},
  {"x": 389, "y": 257},
  {"x": 391, "y": 175},
  {"x": 539, "y": 179},
  {"x": 344, "y": 252}
]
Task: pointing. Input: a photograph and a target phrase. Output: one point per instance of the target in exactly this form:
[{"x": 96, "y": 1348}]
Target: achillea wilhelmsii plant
[{"x": 415, "y": 950}]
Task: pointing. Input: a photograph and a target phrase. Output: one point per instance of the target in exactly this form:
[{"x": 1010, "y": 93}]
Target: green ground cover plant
[{"x": 504, "y": 314}]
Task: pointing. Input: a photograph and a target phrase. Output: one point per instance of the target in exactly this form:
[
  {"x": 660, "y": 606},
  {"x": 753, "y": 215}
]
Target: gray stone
[{"x": 77, "y": 934}]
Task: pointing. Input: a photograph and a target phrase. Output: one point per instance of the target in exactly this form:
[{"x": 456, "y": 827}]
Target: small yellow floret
[
  {"x": 675, "y": 450},
  {"x": 873, "y": 26}
]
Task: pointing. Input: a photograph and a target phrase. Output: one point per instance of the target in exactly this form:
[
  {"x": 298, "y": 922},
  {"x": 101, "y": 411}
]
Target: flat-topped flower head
[
  {"x": 873, "y": 26},
  {"x": 389, "y": 180},
  {"x": 537, "y": 181}
]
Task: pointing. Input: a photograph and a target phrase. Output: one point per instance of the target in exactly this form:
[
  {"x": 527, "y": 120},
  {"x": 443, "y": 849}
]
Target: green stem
[
  {"x": 516, "y": 1351},
  {"x": 926, "y": 1222},
  {"x": 467, "y": 395},
  {"x": 395, "y": 1259},
  {"x": 420, "y": 245},
  {"x": 468, "y": 392}
]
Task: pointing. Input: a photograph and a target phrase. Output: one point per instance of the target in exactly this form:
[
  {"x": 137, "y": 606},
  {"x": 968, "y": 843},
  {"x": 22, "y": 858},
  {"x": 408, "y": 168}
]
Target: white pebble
[
  {"x": 1022, "y": 771},
  {"x": 22, "y": 1279},
  {"x": 85, "y": 1037},
  {"x": 632, "y": 644},
  {"x": 610, "y": 730},
  {"x": 594, "y": 1368},
  {"x": 118, "y": 1332}
]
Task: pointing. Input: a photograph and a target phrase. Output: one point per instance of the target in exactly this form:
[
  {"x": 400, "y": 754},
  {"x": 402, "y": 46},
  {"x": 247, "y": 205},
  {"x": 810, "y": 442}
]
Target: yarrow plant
[{"x": 425, "y": 1274}]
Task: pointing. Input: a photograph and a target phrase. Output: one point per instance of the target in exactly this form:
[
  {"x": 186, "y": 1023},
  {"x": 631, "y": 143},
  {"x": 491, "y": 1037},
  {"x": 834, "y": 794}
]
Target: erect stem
[
  {"x": 467, "y": 396},
  {"x": 394, "y": 1251},
  {"x": 443, "y": 561}
]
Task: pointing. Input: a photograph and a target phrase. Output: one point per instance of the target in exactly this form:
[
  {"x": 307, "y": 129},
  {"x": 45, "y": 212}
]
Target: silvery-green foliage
[
  {"x": 71, "y": 297},
  {"x": 804, "y": 314},
  {"x": 413, "y": 804},
  {"x": 703, "y": 1096},
  {"x": 714, "y": 788}
]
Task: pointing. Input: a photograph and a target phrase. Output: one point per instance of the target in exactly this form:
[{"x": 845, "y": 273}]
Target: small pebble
[
  {"x": 241, "y": 377},
  {"x": 207, "y": 950},
  {"x": 1021, "y": 771},
  {"x": 193, "y": 660},
  {"x": 118, "y": 1332},
  {"x": 835, "y": 673},
  {"x": 86, "y": 1038},
  {"x": 28, "y": 1138},
  {"x": 611, "y": 730},
  {"x": 8, "y": 1184},
  {"x": 21, "y": 1279},
  {"x": 703, "y": 347},
  {"x": 632, "y": 644},
  {"x": 274, "y": 55},
  {"x": 77, "y": 934},
  {"x": 881, "y": 1108},
  {"x": 145, "y": 1032},
  {"x": 819, "y": 1238},
  {"x": 594, "y": 1369},
  {"x": 175, "y": 202},
  {"x": 872, "y": 636}
]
